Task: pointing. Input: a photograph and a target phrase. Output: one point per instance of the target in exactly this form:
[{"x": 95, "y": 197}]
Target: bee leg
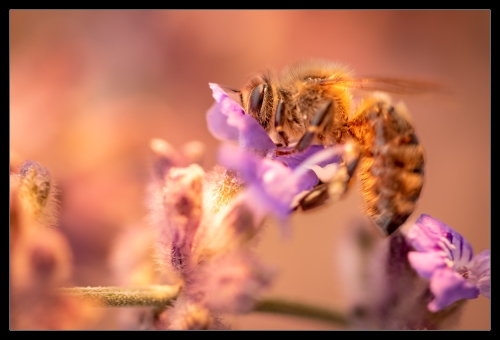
[
  {"x": 315, "y": 198},
  {"x": 336, "y": 187},
  {"x": 278, "y": 123},
  {"x": 313, "y": 129}
]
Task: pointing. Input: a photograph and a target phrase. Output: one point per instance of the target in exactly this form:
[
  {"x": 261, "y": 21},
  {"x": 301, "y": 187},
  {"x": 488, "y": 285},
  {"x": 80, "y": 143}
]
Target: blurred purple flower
[
  {"x": 233, "y": 282},
  {"x": 445, "y": 258}
]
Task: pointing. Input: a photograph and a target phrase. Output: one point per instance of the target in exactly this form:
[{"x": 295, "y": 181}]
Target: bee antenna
[{"x": 237, "y": 91}]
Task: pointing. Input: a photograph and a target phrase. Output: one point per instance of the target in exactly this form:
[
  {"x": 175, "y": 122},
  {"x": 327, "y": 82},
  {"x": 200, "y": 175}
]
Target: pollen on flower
[
  {"x": 233, "y": 227},
  {"x": 449, "y": 262},
  {"x": 463, "y": 271},
  {"x": 222, "y": 186},
  {"x": 445, "y": 243}
]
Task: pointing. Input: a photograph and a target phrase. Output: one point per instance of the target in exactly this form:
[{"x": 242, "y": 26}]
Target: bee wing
[{"x": 389, "y": 85}]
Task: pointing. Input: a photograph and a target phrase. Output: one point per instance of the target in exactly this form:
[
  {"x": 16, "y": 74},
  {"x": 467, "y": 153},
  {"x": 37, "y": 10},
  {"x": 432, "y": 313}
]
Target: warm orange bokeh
[{"x": 89, "y": 89}]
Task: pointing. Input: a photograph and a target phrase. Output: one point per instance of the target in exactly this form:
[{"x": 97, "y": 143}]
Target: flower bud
[{"x": 37, "y": 193}]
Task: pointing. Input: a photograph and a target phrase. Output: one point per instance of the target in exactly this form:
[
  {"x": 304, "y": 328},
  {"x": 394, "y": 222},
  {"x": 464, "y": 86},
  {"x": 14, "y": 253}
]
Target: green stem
[
  {"x": 163, "y": 295},
  {"x": 285, "y": 307},
  {"x": 160, "y": 295}
]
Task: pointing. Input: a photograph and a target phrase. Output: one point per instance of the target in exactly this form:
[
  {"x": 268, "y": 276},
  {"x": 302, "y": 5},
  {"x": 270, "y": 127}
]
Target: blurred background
[{"x": 89, "y": 89}]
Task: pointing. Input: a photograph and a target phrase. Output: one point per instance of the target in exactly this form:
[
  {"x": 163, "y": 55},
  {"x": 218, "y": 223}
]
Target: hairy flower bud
[
  {"x": 177, "y": 214},
  {"x": 37, "y": 193},
  {"x": 166, "y": 157},
  {"x": 232, "y": 282},
  {"x": 189, "y": 315}
]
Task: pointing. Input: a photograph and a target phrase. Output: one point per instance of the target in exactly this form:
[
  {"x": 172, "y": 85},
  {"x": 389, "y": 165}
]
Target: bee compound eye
[{"x": 256, "y": 99}]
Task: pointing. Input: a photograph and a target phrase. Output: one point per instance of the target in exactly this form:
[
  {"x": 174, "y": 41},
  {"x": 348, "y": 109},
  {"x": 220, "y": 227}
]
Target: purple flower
[
  {"x": 228, "y": 121},
  {"x": 273, "y": 181},
  {"x": 445, "y": 258},
  {"x": 273, "y": 187}
]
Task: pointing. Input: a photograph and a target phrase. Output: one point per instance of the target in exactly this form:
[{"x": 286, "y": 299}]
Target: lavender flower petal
[
  {"x": 243, "y": 162},
  {"x": 307, "y": 180},
  {"x": 218, "y": 125},
  {"x": 481, "y": 272},
  {"x": 323, "y": 161},
  {"x": 228, "y": 121},
  {"x": 425, "y": 264},
  {"x": 448, "y": 287},
  {"x": 271, "y": 185},
  {"x": 426, "y": 233},
  {"x": 295, "y": 159},
  {"x": 429, "y": 234}
]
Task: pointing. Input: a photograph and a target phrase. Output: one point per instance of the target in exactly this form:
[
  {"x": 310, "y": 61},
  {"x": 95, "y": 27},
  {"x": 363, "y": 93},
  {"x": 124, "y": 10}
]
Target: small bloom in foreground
[
  {"x": 445, "y": 258},
  {"x": 203, "y": 237}
]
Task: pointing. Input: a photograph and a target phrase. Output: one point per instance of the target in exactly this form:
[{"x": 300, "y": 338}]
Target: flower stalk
[
  {"x": 153, "y": 295},
  {"x": 165, "y": 295},
  {"x": 304, "y": 310}
]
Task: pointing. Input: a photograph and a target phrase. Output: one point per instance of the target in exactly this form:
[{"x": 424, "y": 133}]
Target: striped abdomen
[{"x": 392, "y": 165}]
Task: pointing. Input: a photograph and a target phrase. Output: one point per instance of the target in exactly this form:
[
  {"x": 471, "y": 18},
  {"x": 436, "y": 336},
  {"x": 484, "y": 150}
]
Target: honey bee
[{"x": 311, "y": 102}]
